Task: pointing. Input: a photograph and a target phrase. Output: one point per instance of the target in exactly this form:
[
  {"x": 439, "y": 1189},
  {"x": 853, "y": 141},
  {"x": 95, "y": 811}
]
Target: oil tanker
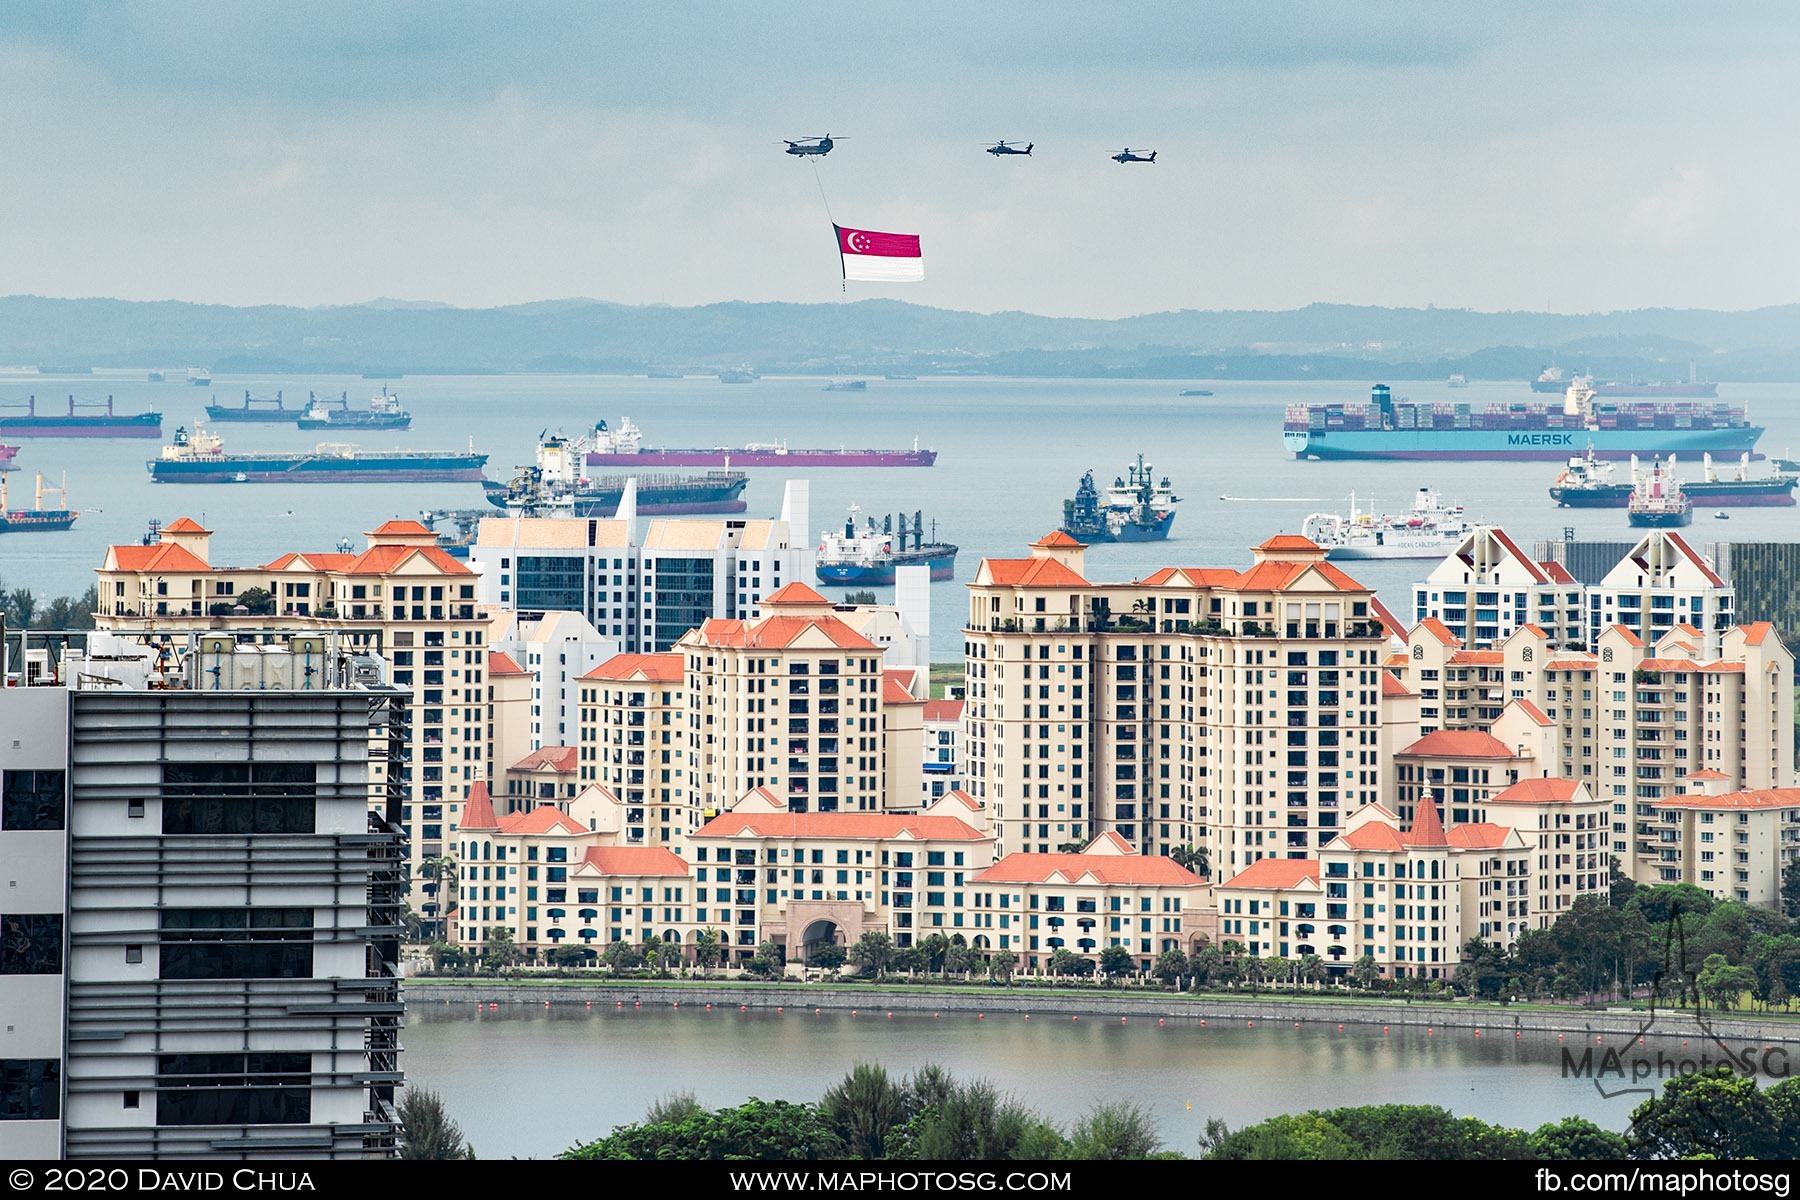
[
  {"x": 623, "y": 447},
  {"x": 200, "y": 458},
  {"x": 1385, "y": 428},
  {"x": 73, "y": 424}
]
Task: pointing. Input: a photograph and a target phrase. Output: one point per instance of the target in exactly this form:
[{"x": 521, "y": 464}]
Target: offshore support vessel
[
  {"x": 1385, "y": 428},
  {"x": 1135, "y": 508}
]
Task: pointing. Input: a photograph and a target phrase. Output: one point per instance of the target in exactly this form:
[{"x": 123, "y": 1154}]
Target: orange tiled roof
[
  {"x": 1477, "y": 835},
  {"x": 1459, "y": 743},
  {"x": 557, "y": 758},
  {"x": 1276, "y": 873},
  {"x": 478, "y": 810},
  {"x": 1537, "y": 791},
  {"x": 396, "y": 528},
  {"x": 1477, "y": 658},
  {"x": 654, "y": 668},
  {"x": 1289, "y": 541},
  {"x": 1538, "y": 715},
  {"x": 634, "y": 860},
  {"x": 1756, "y": 632},
  {"x": 545, "y": 818},
  {"x": 1031, "y": 572},
  {"x": 1374, "y": 835},
  {"x": 1115, "y": 869},
  {"x": 1059, "y": 540},
  {"x": 1754, "y": 798},
  {"x": 501, "y": 663},
  {"x": 163, "y": 557},
  {"x": 1427, "y": 827},
  {"x": 943, "y": 710},
  {"x": 185, "y": 525},
  {"x": 1391, "y": 685},
  {"x": 1439, "y": 631},
  {"x": 794, "y": 593},
  {"x": 779, "y": 632}
]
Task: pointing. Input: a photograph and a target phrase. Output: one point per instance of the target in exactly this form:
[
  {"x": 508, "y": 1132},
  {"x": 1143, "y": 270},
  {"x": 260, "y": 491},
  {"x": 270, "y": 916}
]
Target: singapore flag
[{"x": 879, "y": 257}]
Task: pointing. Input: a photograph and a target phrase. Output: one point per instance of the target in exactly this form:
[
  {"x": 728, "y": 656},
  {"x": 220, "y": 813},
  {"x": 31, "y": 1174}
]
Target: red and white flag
[{"x": 880, "y": 257}]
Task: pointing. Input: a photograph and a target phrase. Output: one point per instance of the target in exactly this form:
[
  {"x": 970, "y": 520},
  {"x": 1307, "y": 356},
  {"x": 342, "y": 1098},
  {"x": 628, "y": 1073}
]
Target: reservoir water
[
  {"x": 526, "y": 1082},
  {"x": 1009, "y": 452}
]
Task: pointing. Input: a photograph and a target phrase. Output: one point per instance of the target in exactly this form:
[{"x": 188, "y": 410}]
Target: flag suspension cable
[{"x": 843, "y": 284}]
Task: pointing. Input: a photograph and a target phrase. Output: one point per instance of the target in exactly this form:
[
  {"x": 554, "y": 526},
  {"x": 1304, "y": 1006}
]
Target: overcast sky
[{"x": 1570, "y": 157}]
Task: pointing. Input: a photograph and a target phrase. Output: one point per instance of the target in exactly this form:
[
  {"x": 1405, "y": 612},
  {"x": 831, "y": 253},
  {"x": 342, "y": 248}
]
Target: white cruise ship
[{"x": 1430, "y": 530}]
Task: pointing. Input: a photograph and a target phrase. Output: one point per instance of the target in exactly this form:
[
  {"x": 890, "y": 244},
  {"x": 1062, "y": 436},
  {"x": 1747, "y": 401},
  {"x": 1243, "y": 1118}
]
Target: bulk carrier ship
[
  {"x": 1588, "y": 482},
  {"x": 1384, "y": 428},
  {"x": 871, "y": 556},
  {"x": 623, "y": 447},
  {"x": 74, "y": 424},
  {"x": 263, "y": 409}
]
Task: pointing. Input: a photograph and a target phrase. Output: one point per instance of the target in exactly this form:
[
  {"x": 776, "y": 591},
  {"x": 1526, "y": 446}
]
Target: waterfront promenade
[{"x": 1121, "y": 1005}]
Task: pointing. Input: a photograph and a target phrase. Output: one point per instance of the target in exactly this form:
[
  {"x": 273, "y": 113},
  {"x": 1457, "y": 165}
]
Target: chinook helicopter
[{"x": 805, "y": 147}]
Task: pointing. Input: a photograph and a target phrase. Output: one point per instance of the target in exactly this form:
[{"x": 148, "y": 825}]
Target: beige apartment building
[
  {"x": 1239, "y": 710},
  {"x": 1734, "y": 845},
  {"x": 402, "y": 596}
]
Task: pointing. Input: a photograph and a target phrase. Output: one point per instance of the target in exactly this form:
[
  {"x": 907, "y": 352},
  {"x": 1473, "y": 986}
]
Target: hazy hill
[{"x": 1318, "y": 341}]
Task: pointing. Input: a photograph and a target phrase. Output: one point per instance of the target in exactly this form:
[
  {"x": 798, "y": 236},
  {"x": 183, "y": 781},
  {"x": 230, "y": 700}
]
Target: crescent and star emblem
[{"x": 860, "y": 243}]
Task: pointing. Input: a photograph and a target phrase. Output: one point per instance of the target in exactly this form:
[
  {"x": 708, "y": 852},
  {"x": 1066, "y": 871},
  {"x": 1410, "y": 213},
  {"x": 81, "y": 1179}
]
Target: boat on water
[
  {"x": 870, "y": 556},
  {"x": 76, "y": 424},
  {"x": 738, "y": 375},
  {"x": 199, "y": 376},
  {"x": 265, "y": 409},
  {"x": 1196, "y": 392},
  {"x": 1430, "y": 529},
  {"x": 558, "y": 484},
  {"x": 156, "y": 377},
  {"x": 1136, "y": 508},
  {"x": 1388, "y": 429},
  {"x": 1457, "y": 381},
  {"x": 200, "y": 457},
  {"x": 1553, "y": 381},
  {"x": 37, "y": 518},
  {"x": 7, "y": 454},
  {"x": 1657, "y": 501},
  {"x": 1638, "y": 387},
  {"x": 623, "y": 447},
  {"x": 847, "y": 385},
  {"x": 384, "y": 412},
  {"x": 1588, "y": 482}
]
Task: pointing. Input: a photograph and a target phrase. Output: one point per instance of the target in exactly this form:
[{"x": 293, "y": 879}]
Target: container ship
[
  {"x": 201, "y": 458},
  {"x": 265, "y": 409},
  {"x": 1657, "y": 500},
  {"x": 623, "y": 447},
  {"x": 1134, "y": 509},
  {"x": 73, "y": 424},
  {"x": 557, "y": 484},
  {"x": 1430, "y": 529},
  {"x": 384, "y": 412},
  {"x": 37, "y": 518},
  {"x": 1384, "y": 428},
  {"x": 1588, "y": 482},
  {"x": 870, "y": 556}
]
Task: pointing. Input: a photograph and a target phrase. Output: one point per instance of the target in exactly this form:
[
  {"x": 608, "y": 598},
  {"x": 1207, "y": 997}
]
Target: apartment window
[
  {"x": 30, "y": 1089},
  {"x": 236, "y": 943},
  {"x": 236, "y": 798},
  {"x": 270, "y": 1088},
  {"x": 31, "y": 944},
  {"x": 32, "y": 800}
]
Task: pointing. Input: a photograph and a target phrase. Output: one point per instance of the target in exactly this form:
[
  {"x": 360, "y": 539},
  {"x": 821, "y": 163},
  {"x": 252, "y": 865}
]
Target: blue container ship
[{"x": 1385, "y": 428}]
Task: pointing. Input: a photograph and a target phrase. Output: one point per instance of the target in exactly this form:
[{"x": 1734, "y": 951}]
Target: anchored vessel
[
  {"x": 871, "y": 556},
  {"x": 37, "y": 517},
  {"x": 847, "y": 385},
  {"x": 1135, "y": 508},
  {"x": 7, "y": 454},
  {"x": 1588, "y": 482},
  {"x": 384, "y": 412},
  {"x": 200, "y": 458},
  {"x": 266, "y": 409},
  {"x": 623, "y": 447},
  {"x": 1430, "y": 529},
  {"x": 73, "y": 424},
  {"x": 1657, "y": 501},
  {"x": 1385, "y": 428},
  {"x": 557, "y": 484}
]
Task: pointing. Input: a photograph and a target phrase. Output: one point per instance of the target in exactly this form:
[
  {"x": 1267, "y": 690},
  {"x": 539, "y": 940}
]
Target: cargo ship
[
  {"x": 384, "y": 412},
  {"x": 623, "y": 447},
  {"x": 1134, "y": 509},
  {"x": 37, "y": 518},
  {"x": 200, "y": 458},
  {"x": 265, "y": 409},
  {"x": 1588, "y": 482},
  {"x": 557, "y": 484},
  {"x": 870, "y": 556},
  {"x": 1657, "y": 501},
  {"x": 1631, "y": 387},
  {"x": 199, "y": 376},
  {"x": 73, "y": 424},
  {"x": 1390, "y": 429},
  {"x": 1430, "y": 529},
  {"x": 1552, "y": 381}
]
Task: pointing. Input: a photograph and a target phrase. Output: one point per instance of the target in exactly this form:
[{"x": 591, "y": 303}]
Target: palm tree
[
  {"x": 1000, "y": 966},
  {"x": 440, "y": 874},
  {"x": 1312, "y": 969},
  {"x": 1192, "y": 857},
  {"x": 706, "y": 948},
  {"x": 874, "y": 951}
]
